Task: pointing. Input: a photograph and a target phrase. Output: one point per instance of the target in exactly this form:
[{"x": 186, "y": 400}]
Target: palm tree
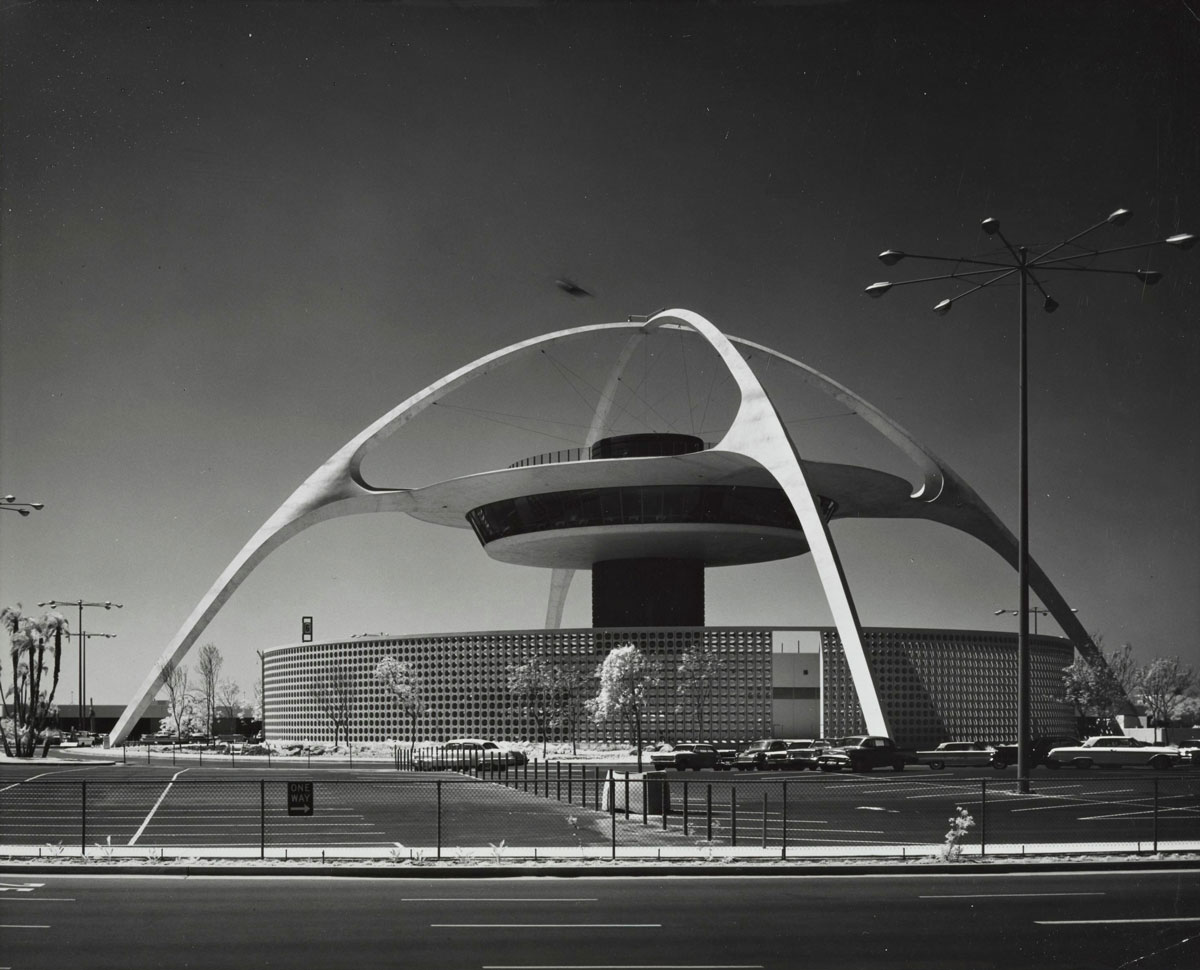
[{"x": 29, "y": 638}]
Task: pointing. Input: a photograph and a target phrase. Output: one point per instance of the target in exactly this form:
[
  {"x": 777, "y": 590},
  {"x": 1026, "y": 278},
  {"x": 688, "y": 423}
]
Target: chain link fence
[{"x": 561, "y": 809}]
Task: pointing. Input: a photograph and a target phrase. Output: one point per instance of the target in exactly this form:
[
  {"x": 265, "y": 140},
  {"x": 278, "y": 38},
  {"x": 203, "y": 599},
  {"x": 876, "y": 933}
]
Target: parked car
[
  {"x": 86, "y": 739},
  {"x": 754, "y": 757},
  {"x": 864, "y": 752},
  {"x": 1190, "y": 750},
  {"x": 467, "y": 753},
  {"x": 691, "y": 755},
  {"x": 235, "y": 742},
  {"x": 958, "y": 754},
  {"x": 1006, "y": 754},
  {"x": 797, "y": 756},
  {"x": 1115, "y": 752}
]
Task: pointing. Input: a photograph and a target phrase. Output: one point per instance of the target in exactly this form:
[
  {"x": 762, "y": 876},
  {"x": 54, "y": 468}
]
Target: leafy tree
[
  {"x": 534, "y": 684},
  {"x": 31, "y": 638},
  {"x": 180, "y": 701},
  {"x": 333, "y": 695},
  {"x": 399, "y": 679},
  {"x": 1100, "y": 688},
  {"x": 625, "y": 679},
  {"x": 229, "y": 696},
  {"x": 209, "y": 668},
  {"x": 697, "y": 684},
  {"x": 1163, "y": 685}
]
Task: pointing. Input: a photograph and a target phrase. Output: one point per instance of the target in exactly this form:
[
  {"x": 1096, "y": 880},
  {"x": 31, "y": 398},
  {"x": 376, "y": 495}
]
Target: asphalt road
[
  {"x": 1096, "y": 920},
  {"x": 42, "y": 803}
]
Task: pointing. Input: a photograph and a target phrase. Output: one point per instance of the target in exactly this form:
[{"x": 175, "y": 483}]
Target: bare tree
[
  {"x": 333, "y": 695},
  {"x": 697, "y": 685},
  {"x": 209, "y": 667},
  {"x": 534, "y": 683},
  {"x": 179, "y": 700},
  {"x": 1100, "y": 688},
  {"x": 229, "y": 696}
]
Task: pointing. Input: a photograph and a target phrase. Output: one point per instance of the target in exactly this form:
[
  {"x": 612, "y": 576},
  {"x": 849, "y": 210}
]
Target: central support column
[{"x": 648, "y": 592}]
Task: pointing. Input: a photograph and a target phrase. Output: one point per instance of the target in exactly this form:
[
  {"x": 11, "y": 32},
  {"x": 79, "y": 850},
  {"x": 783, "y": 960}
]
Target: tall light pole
[
  {"x": 1017, "y": 261},
  {"x": 108, "y": 605},
  {"x": 85, "y": 704},
  {"x": 10, "y": 504}
]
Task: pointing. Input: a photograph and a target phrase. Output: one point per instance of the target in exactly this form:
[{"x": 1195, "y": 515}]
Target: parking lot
[{"x": 54, "y": 803}]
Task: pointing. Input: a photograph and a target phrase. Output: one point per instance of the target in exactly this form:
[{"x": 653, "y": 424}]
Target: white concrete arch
[{"x": 335, "y": 489}]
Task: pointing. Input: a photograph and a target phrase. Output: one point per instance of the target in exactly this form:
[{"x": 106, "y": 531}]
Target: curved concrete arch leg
[
  {"x": 759, "y": 434},
  {"x": 335, "y": 489}
]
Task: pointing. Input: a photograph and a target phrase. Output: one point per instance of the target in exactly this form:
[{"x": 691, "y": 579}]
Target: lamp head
[
  {"x": 10, "y": 498},
  {"x": 22, "y": 511},
  {"x": 877, "y": 289},
  {"x": 1050, "y": 305},
  {"x": 1148, "y": 276},
  {"x": 38, "y": 505},
  {"x": 1119, "y": 217},
  {"x": 990, "y": 226},
  {"x": 942, "y": 308},
  {"x": 1182, "y": 240},
  {"x": 890, "y": 257}
]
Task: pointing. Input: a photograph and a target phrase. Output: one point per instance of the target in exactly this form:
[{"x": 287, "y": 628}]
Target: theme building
[{"x": 647, "y": 515}]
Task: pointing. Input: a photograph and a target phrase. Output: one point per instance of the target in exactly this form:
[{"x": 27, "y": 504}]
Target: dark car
[
  {"x": 865, "y": 752},
  {"x": 690, "y": 756},
  {"x": 797, "y": 756},
  {"x": 754, "y": 757},
  {"x": 1006, "y": 754}
]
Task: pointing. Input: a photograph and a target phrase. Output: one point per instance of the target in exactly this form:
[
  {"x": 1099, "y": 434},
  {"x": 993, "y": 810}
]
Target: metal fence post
[
  {"x": 664, "y": 796},
  {"x": 982, "y": 817},
  {"x": 708, "y": 808},
  {"x": 685, "y": 808},
  {"x": 612, "y": 811},
  {"x": 570, "y": 783},
  {"x": 83, "y": 818},
  {"x": 1156, "y": 815},
  {"x": 644, "y": 799},
  {"x": 262, "y": 818},
  {"x": 626, "y": 794},
  {"x": 764, "y": 800},
  {"x": 783, "y": 852},
  {"x": 597, "y": 792},
  {"x": 732, "y": 815},
  {"x": 558, "y": 781},
  {"x": 439, "y": 819}
]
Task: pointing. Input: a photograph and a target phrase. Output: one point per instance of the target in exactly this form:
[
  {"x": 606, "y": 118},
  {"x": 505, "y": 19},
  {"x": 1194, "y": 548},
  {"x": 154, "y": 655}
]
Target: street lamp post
[
  {"x": 108, "y": 605},
  {"x": 10, "y": 504},
  {"x": 1027, "y": 269},
  {"x": 85, "y": 704},
  {"x": 1035, "y": 612}
]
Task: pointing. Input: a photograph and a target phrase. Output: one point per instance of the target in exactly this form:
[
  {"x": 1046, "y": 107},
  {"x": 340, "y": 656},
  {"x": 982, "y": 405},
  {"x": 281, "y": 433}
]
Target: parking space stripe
[
  {"x": 1104, "y": 922},
  {"x": 138, "y": 834},
  {"x": 539, "y": 926}
]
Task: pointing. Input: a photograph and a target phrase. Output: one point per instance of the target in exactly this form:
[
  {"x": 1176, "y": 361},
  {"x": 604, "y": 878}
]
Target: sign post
[{"x": 300, "y": 797}]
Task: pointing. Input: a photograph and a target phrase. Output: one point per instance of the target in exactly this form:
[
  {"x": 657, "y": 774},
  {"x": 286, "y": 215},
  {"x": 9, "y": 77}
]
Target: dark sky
[{"x": 234, "y": 234}]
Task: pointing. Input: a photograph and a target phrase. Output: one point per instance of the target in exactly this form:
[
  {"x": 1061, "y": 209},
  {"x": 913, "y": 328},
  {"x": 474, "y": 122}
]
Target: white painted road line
[
  {"x": 532, "y": 926},
  {"x": 499, "y": 899},
  {"x": 1004, "y": 895},
  {"x": 35, "y": 899},
  {"x": 24, "y": 926},
  {"x": 1106, "y": 922},
  {"x": 622, "y": 966},
  {"x": 146, "y": 821}
]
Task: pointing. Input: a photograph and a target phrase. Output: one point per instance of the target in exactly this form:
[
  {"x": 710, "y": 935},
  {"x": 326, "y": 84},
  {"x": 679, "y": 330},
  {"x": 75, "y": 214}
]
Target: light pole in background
[
  {"x": 86, "y": 709},
  {"x": 1035, "y": 612},
  {"x": 108, "y": 605},
  {"x": 1027, "y": 268},
  {"x": 10, "y": 503}
]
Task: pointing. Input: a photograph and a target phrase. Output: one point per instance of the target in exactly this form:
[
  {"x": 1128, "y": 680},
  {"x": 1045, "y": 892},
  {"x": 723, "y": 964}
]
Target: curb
[{"x": 440, "y": 871}]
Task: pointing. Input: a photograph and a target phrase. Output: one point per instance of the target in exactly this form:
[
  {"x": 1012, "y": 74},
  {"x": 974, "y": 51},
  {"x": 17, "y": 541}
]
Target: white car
[
  {"x": 958, "y": 754},
  {"x": 1115, "y": 752},
  {"x": 1189, "y": 750}
]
